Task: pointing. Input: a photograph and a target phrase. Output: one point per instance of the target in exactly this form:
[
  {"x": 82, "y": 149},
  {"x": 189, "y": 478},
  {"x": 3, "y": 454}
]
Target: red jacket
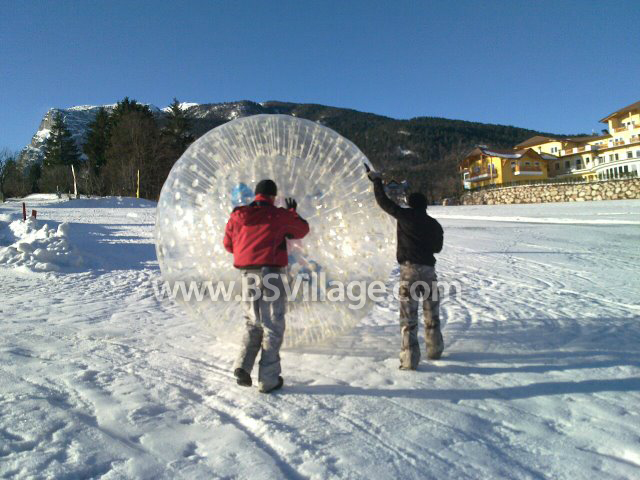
[{"x": 256, "y": 234}]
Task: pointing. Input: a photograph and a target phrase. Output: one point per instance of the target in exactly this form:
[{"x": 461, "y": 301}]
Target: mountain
[{"x": 424, "y": 150}]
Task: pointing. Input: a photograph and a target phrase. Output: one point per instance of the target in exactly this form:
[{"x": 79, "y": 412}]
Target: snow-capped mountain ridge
[{"x": 78, "y": 118}]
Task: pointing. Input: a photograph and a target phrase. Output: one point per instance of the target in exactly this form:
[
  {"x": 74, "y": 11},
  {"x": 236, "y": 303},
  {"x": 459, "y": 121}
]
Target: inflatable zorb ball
[{"x": 350, "y": 243}]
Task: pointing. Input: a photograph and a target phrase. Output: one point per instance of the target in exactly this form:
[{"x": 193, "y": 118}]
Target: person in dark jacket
[
  {"x": 257, "y": 235},
  {"x": 419, "y": 237}
]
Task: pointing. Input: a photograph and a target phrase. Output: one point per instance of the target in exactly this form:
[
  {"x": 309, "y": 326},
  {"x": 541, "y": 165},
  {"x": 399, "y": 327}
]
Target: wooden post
[
  {"x": 24, "y": 212},
  {"x": 138, "y": 189},
  {"x": 75, "y": 186}
]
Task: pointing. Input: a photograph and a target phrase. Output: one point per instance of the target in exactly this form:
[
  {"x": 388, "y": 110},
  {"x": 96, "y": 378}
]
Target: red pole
[{"x": 24, "y": 212}]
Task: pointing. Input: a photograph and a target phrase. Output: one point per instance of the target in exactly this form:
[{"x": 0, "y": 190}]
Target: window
[
  {"x": 578, "y": 163},
  {"x": 527, "y": 163},
  {"x": 629, "y": 154},
  {"x": 617, "y": 157},
  {"x": 558, "y": 165},
  {"x": 513, "y": 164},
  {"x": 537, "y": 164},
  {"x": 611, "y": 158},
  {"x": 638, "y": 153},
  {"x": 567, "y": 164},
  {"x": 587, "y": 159}
]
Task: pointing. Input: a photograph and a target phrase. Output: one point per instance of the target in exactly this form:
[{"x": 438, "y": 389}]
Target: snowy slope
[{"x": 540, "y": 378}]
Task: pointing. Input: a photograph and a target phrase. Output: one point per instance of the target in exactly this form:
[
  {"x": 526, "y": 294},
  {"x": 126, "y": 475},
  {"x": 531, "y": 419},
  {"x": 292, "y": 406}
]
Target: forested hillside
[{"x": 423, "y": 150}]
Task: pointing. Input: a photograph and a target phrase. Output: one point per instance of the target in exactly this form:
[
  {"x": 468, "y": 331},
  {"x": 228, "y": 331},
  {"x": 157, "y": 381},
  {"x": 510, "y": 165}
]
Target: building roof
[
  {"x": 633, "y": 106},
  {"x": 586, "y": 138},
  {"x": 501, "y": 153},
  {"x": 537, "y": 140}
]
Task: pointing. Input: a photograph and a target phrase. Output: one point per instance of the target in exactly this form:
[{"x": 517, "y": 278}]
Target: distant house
[
  {"x": 485, "y": 166},
  {"x": 611, "y": 155}
]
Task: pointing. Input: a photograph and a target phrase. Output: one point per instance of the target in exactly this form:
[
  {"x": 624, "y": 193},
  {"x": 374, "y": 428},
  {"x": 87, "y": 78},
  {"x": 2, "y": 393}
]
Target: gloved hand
[
  {"x": 291, "y": 203},
  {"x": 372, "y": 175}
]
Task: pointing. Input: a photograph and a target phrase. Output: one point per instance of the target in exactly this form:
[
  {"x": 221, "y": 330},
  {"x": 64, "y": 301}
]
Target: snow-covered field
[{"x": 540, "y": 378}]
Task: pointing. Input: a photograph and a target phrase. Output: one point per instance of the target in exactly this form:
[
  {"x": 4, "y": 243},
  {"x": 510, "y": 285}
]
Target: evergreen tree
[
  {"x": 7, "y": 168},
  {"x": 98, "y": 137},
  {"x": 177, "y": 131},
  {"x": 127, "y": 106},
  {"x": 135, "y": 146},
  {"x": 33, "y": 177},
  {"x": 60, "y": 148}
]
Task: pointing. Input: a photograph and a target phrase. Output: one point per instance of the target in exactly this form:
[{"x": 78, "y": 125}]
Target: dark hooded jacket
[{"x": 419, "y": 235}]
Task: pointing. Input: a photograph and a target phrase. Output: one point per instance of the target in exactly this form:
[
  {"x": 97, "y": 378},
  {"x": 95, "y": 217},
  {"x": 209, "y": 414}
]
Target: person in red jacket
[{"x": 257, "y": 235}]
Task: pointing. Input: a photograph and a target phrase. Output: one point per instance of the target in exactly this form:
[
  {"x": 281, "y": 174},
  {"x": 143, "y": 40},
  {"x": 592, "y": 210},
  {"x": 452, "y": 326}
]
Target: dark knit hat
[
  {"x": 266, "y": 187},
  {"x": 417, "y": 200}
]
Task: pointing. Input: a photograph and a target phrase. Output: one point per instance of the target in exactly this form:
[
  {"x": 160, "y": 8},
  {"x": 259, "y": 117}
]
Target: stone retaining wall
[{"x": 558, "y": 192}]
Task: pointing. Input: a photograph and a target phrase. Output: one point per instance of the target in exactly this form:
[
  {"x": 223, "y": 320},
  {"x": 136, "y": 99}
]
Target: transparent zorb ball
[{"x": 351, "y": 239}]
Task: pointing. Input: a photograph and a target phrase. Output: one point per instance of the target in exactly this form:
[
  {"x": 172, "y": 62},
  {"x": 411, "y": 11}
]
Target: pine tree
[
  {"x": 127, "y": 106},
  {"x": 7, "y": 167},
  {"x": 98, "y": 137},
  {"x": 134, "y": 146},
  {"x": 60, "y": 148},
  {"x": 177, "y": 131}
]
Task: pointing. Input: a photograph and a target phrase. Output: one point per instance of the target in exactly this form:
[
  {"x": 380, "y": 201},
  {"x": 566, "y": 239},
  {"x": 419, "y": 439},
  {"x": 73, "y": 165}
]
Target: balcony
[
  {"x": 482, "y": 174},
  {"x": 618, "y": 143},
  {"x": 527, "y": 170},
  {"x": 619, "y": 129},
  {"x": 572, "y": 150}
]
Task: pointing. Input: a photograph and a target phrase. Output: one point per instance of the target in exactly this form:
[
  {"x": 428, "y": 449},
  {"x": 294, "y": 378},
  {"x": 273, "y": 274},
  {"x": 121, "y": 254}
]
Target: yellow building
[
  {"x": 620, "y": 155},
  {"x": 572, "y": 158},
  {"x": 612, "y": 155},
  {"x": 485, "y": 166}
]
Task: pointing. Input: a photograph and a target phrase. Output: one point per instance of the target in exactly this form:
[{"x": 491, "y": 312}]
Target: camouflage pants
[
  {"x": 264, "y": 323},
  {"x": 419, "y": 283}
]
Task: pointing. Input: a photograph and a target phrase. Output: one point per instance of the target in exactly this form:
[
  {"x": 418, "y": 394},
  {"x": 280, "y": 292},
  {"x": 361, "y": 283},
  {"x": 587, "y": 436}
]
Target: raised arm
[
  {"x": 385, "y": 202},
  {"x": 296, "y": 227}
]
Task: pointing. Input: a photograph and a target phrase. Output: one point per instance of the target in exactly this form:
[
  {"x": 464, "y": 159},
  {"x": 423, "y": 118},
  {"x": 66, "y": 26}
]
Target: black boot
[
  {"x": 277, "y": 386},
  {"x": 242, "y": 377}
]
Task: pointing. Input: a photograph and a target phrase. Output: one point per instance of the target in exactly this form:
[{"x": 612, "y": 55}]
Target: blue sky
[{"x": 557, "y": 66}]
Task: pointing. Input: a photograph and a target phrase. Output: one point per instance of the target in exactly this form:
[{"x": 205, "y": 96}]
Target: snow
[
  {"x": 84, "y": 108},
  {"x": 405, "y": 152},
  {"x": 182, "y": 105},
  {"x": 42, "y": 135},
  {"x": 39, "y": 248},
  {"x": 502, "y": 155},
  {"x": 540, "y": 377}
]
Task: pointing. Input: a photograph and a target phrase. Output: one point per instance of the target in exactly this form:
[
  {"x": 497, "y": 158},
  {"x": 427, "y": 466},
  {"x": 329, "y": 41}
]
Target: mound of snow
[{"x": 40, "y": 248}]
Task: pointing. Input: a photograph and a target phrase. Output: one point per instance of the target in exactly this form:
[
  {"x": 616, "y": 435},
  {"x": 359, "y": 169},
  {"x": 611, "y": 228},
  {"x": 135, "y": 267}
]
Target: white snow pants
[{"x": 263, "y": 310}]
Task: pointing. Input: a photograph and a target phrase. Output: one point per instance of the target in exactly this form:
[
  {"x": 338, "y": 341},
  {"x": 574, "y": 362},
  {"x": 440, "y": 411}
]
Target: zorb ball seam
[{"x": 351, "y": 239}]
